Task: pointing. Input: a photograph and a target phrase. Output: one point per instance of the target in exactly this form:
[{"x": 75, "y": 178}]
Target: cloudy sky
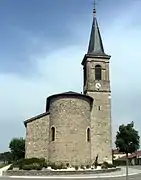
[{"x": 42, "y": 44}]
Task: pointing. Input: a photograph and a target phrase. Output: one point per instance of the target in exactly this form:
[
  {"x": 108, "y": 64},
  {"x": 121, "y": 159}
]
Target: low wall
[{"x": 55, "y": 173}]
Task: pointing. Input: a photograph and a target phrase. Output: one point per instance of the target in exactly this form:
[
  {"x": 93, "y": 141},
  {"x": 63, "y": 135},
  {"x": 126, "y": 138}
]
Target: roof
[
  {"x": 35, "y": 118},
  {"x": 95, "y": 48},
  {"x": 95, "y": 43},
  {"x": 69, "y": 93},
  {"x": 116, "y": 151},
  {"x": 133, "y": 155}
]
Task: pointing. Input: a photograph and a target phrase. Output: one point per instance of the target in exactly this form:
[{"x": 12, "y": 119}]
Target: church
[{"x": 75, "y": 128}]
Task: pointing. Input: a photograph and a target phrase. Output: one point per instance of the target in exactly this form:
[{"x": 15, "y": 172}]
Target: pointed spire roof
[
  {"x": 95, "y": 43},
  {"x": 95, "y": 48}
]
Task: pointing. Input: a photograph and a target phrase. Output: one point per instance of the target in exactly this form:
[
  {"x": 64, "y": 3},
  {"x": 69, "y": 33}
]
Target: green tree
[
  {"x": 127, "y": 141},
  {"x": 17, "y": 148},
  {"x": 6, "y": 157}
]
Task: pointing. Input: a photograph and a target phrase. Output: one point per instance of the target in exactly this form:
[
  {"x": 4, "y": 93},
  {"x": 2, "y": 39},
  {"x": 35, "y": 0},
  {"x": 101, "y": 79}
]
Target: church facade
[{"x": 76, "y": 128}]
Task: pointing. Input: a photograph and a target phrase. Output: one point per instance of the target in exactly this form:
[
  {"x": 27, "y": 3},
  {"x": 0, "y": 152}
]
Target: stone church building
[{"x": 76, "y": 127}]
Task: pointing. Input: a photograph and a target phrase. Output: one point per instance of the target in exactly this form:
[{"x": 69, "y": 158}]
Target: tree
[
  {"x": 6, "y": 157},
  {"x": 17, "y": 148},
  {"x": 127, "y": 141}
]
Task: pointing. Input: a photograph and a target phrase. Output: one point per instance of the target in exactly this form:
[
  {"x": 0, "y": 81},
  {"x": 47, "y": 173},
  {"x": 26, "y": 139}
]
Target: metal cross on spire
[{"x": 94, "y": 8}]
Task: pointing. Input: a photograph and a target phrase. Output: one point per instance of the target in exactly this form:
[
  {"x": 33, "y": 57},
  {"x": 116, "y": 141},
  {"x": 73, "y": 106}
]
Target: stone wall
[
  {"x": 90, "y": 74},
  {"x": 70, "y": 116},
  {"x": 101, "y": 127},
  {"x": 37, "y": 138},
  {"x": 101, "y": 143}
]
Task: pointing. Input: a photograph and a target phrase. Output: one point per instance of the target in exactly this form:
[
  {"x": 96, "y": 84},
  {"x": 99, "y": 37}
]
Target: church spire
[{"x": 95, "y": 44}]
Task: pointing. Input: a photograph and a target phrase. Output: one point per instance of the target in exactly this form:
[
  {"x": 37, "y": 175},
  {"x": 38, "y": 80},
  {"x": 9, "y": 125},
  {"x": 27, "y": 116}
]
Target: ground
[
  {"x": 137, "y": 177},
  {"x": 89, "y": 177}
]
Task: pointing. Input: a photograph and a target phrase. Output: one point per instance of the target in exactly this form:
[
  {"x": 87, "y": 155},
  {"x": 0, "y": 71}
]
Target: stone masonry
[
  {"x": 75, "y": 127},
  {"x": 70, "y": 115},
  {"x": 101, "y": 111},
  {"x": 37, "y": 137}
]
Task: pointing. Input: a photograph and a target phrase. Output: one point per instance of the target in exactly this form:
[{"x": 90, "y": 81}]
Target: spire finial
[{"x": 94, "y": 8}]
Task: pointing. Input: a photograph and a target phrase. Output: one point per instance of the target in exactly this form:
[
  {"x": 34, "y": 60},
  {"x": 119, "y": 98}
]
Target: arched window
[
  {"x": 53, "y": 133},
  {"x": 97, "y": 72},
  {"x": 88, "y": 135}
]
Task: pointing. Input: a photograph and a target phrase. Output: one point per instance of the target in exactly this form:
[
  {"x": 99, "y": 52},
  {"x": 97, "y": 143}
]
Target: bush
[
  {"x": 104, "y": 165},
  {"x": 28, "y": 167},
  {"x": 29, "y": 164},
  {"x": 111, "y": 166},
  {"x": 34, "y": 160},
  {"x": 82, "y": 167},
  {"x": 88, "y": 166},
  {"x": 67, "y": 164},
  {"x": 76, "y": 167},
  {"x": 58, "y": 165},
  {"x": 53, "y": 166},
  {"x": 32, "y": 167}
]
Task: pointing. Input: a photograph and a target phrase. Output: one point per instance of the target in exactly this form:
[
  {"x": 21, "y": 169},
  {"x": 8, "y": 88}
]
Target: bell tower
[{"x": 97, "y": 85}]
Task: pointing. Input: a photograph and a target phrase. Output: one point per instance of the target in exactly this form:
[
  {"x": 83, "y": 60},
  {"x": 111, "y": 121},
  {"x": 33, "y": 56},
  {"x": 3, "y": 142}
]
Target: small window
[
  {"x": 84, "y": 75},
  {"x": 88, "y": 135},
  {"x": 99, "y": 108},
  {"x": 97, "y": 72},
  {"x": 53, "y": 133}
]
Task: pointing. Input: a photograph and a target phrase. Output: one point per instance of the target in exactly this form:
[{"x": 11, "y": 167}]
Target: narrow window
[
  {"x": 53, "y": 133},
  {"x": 84, "y": 75},
  {"x": 97, "y": 72},
  {"x": 99, "y": 108},
  {"x": 88, "y": 135}
]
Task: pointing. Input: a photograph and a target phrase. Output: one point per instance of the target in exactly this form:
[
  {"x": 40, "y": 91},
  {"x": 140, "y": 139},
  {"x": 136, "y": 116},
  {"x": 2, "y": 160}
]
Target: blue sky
[{"x": 42, "y": 44}]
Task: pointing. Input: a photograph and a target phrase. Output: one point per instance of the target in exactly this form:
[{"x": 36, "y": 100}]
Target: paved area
[
  {"x": 4, "y": 169},
  {"x": 121, "y": 173},
  {"x": 136, "y": 177},
  {"x": 134, "y": 174}
]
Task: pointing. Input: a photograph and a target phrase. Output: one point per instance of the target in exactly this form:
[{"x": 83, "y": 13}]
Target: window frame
[
  {"x": 53, "y": 132},
  {"x": 98, "y": 72},
  {"x": 88, "y": 134}
]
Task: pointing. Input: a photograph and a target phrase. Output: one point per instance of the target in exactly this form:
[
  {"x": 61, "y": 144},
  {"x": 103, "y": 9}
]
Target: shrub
[
  {"x": 34, "y": 163},
  {"x": 34, "y": 160},
  {"x": 88, "y": 166},
  {"x": 53, "y": 166},
  {"x": 37, "y": 166},
  {"x": 104, "y": 165},
  {"x": 59, "y": 165},
  {"x": 45, "y": 165},
  {"x": 67, "y": 164},
  {"x": 28, "y": 167},
  {"x": 76, "y": 167},
  {"x": 111, "y": 166},
  {"x": 32, "y": 167},
  {"x": 82, "y": 167}
]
